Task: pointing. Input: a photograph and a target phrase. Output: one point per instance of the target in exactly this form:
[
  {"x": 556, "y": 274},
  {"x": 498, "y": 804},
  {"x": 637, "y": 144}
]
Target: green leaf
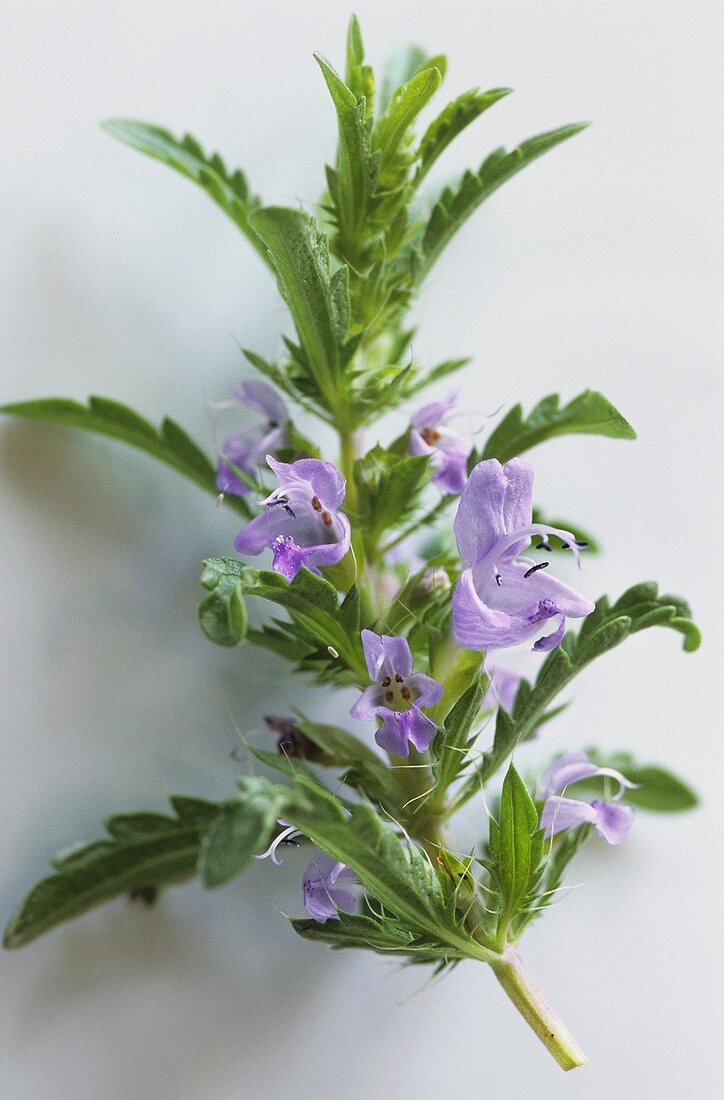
[
  {"x": 382, "y": 934},
  {"x": 222, "y": 614},
  {"x": 241, "y": 829},
  {"x": 658, "y": 790},
  {"x": 404, "y": 107},
  {"x": 396, "y": 873},
  {"x": 341, "y": 749},
  {"x": 318, "y": 300},
  {"x": 359, "y": 77},
  {"x": 317, "y": 618},
  {"x": 638, "y": 608},
  {"x": 588, "y": 414},
  {"x": 229, "y": 190},
  {"x": 400, "y": 69},
  {"x": 354, "y": 181},
  {"x": 516, "y": 847},
  {"x": 388, "y": 488},
  {"x": 457, "y": 203},
  {"x": 145, "y": 851},
  {"x": 452, "y": 742},
  {"x": 564, "y": 848},
  {"x": 451, "y": 122},
  {"x": 169, "y": 443}
]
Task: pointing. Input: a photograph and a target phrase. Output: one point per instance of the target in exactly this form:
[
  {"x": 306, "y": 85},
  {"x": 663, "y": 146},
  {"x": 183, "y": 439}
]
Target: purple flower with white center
[
  {"x": 326, "y": 890},
  {"x": 396, "y": 695},
  {"x": 502, "y": 687},
  {"x": 301, "y": 521},
  {"x": 611, "y": 820},
  {"x": 448, "y": 450},
  {"x": 288, "y": 835},
  {"x": 502, "y": 598},
  {"x": 244, "y": 448}
]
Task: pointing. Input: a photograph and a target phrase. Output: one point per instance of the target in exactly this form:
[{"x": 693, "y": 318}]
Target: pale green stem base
[{"x": 533, "y": 1007}]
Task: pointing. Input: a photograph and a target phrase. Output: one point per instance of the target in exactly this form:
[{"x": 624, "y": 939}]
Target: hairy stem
[{"x": 535, "y": 1010}]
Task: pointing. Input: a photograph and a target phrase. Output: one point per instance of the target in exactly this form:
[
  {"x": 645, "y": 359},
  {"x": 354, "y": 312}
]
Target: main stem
[{"x": 534, "y": 1008}]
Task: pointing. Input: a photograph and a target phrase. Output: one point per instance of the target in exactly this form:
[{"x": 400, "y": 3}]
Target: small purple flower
[
  {"x": 502, "y": 687},
  {"x": 245, "y": 448},
  {"x": 448, "y": 450},
  {"x": 301, "y": 521},
  {"x": 503, "y": 598},
  {"x": 325, "y": 888},
  {"x": 396, "y": 695},
  {"x": 611, "y": 820},
  {"x": 288, "y": 835}
]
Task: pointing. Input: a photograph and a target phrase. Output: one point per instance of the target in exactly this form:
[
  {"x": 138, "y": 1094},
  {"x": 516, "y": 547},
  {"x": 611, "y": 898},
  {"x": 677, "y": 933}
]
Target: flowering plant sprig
[{"x": 373, "y": 594}]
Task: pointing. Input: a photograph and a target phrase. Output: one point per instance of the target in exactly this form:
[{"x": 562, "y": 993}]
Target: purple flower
[
  {"x": 503, "y": 598},
  {"x": 611, "y": 820},
  {"x": 288, "y": 835},
  {"x": 502, "y": 687},
  {"x": 244, "y": 448},
  {"x": 396, "y": 695},
  {"x": 301, "y": 521},
  {"x": 325, "y": 892},
  {"x": 448, "y": 451}
]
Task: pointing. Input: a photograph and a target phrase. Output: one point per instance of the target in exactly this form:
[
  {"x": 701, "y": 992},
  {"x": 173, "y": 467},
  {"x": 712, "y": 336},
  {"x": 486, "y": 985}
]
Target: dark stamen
[
  {"x": 498, "y": 579},
  {"x": 389, "y": 696},
  {"x": 534, "y": 568},
  {"x": 398, "y": 679},
  {"x": 386, "y": 682},
  {"x": 316, "y": 504},
  {"x": 581, "y": 544},
  {"x": 544, "y": 545}
]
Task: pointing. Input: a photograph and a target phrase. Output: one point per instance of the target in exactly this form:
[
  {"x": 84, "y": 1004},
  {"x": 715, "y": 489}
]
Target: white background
[{"x": 596, "y": 267}]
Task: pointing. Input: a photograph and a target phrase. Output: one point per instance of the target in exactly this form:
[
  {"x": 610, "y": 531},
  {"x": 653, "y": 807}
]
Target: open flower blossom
[
  {"x": 301, "y": 521},
  {"x": 288, "y": 835},
  {"x": 611, "y": 820},
  {"x": 396, "y": 695},
  {"x": 448, "y": 450},
  {"x": 502, "y": 598},
  {"x": 326, "y": 883},
  {"x": 244, "y": 448}
]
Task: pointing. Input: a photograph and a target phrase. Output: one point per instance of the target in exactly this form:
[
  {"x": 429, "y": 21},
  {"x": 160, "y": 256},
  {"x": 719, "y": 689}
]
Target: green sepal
[
  {"x": 241, "y": 829},
  {"x": 228, "y": 189},
  {"x": 451, "y": 743},
  {"x": 169, "y": 443},
  {"x": 144, "y": 851},
  {"x": 388, "y": 489},
  {"x": 588, "y": 414}
]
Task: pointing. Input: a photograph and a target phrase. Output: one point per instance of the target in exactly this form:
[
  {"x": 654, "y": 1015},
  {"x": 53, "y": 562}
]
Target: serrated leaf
[
  {"x": 102, "y": 416},
  {"x": 516, "y": 847},
  {"x": 588, "y": 414},
  {"x": 222, "y": 614},
  {"x": 145, "y": 851},
  {"x": 405, "y": 105},
  {"x": 457, "y": 203},
  {"x": 382, "y": 935},
  {"x": 356, "y": 172},
  {"x": 317, "y": 298},
  {"x": 241, "y": 829},
  {"x": 228, "y": 189},
  {"x": 452, "y": 741},
  {"x": 450, "y": 122},
  {"x": 388, "y": 488},
  {"x": 311, "y": 602}
]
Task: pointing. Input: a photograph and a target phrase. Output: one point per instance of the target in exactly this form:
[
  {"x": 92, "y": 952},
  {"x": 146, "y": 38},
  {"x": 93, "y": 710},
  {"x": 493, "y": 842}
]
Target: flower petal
[
  {"x": 477, "y": 626},
  {"x": 563, "y": 771},
  {"x": 559, "y": 814},
  {"x": 496, "y": 501},
  {"x": 428, "y": 690},
  {"x": 369, "y": 703},
  {"x": 261, "y": 397},
  {"x": 392, "y": 734},
  {"x": 435, "y": 413},
  {"x": 502, "y": 687},
  {"x": 613, "y": 821}
]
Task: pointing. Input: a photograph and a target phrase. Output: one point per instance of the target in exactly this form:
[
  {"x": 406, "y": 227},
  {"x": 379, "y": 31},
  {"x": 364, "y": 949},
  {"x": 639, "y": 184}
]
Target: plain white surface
[{"x": 596, "y": 267}]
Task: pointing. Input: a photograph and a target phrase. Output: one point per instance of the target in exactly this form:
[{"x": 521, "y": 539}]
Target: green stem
[{"x": 535, "y": 1010}]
